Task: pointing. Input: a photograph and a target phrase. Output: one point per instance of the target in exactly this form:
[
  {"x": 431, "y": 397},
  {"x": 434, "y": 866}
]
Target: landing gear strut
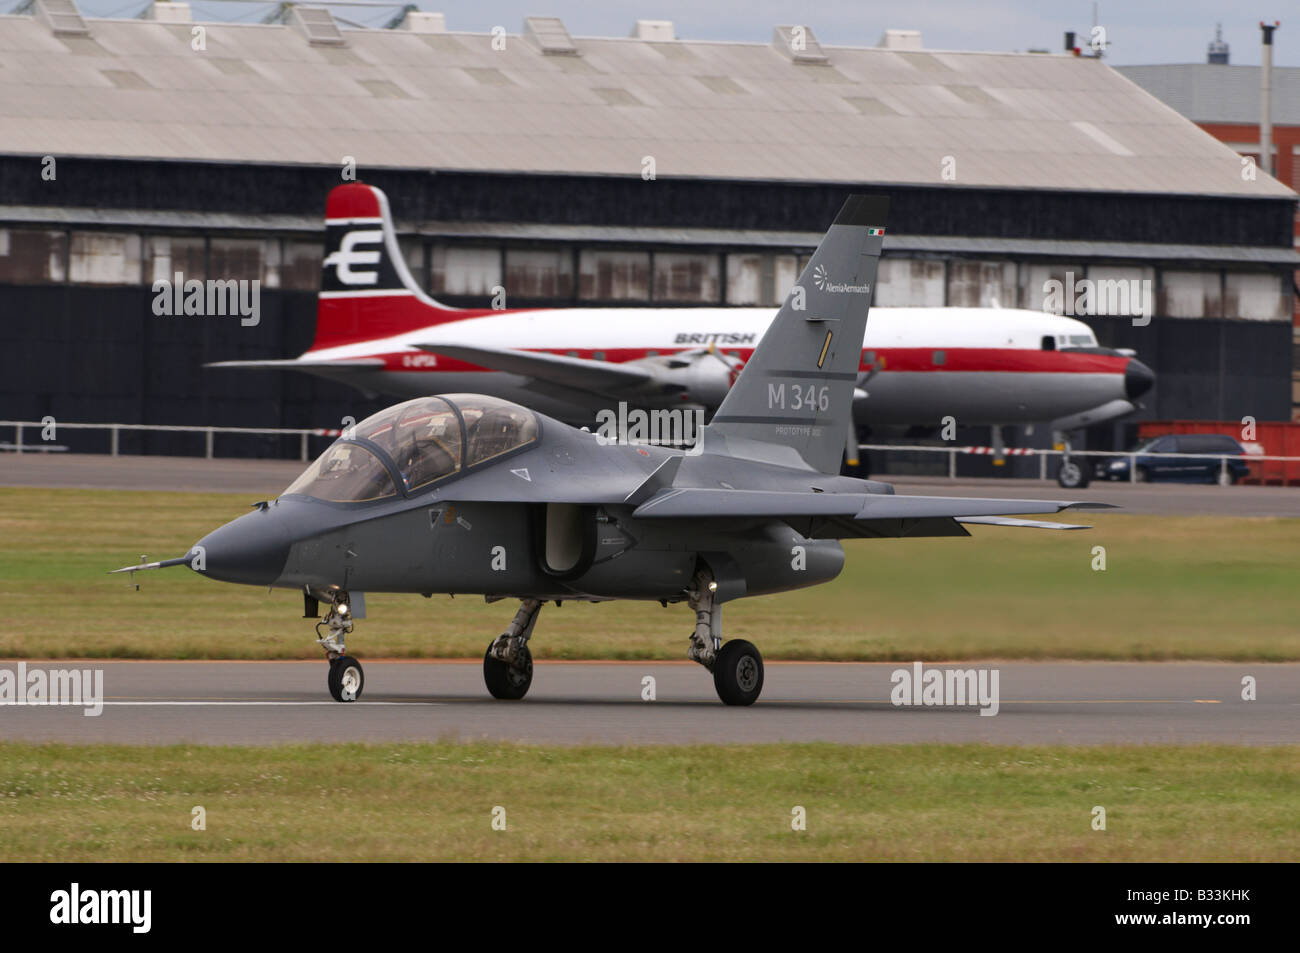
[
  {"x": 737, "y": 666},
  {"x": 508, "y": 664},
  {"x": 346, "y": 678}
]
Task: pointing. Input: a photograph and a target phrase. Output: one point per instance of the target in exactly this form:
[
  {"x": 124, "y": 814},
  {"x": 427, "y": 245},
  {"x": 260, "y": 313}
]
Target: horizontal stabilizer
[
  {"x": 911, "y": 507},
  {"x": 694, "y": 503},
  {"x": 1012, "y": 521},
  {"x": 574, "y": 372}
]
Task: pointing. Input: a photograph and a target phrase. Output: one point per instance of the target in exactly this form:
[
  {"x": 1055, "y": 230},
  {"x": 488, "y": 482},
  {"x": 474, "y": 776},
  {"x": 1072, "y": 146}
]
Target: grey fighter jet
[{"x": 468, "y": 494}]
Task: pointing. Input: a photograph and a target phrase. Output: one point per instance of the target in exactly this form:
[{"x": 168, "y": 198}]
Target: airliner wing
[
  {"x": 341, "y": 364},
  {"x": 576, "y": 373}
]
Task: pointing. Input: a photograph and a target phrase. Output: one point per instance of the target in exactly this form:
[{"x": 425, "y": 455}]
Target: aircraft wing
[
  {"x": 851, "y": 515},
  {"x": 341, "y": 364},
  {"x": 577, "y": 373}
]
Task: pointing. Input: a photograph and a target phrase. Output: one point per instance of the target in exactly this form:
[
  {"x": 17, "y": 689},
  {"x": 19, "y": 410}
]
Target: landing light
[
  {"x": 713, "y": 587},
  {"x": 343, "y": 608}
]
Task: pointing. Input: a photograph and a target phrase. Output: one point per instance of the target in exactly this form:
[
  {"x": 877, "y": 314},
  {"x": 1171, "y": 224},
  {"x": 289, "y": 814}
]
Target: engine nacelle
[{"x": 700, "y": 377}]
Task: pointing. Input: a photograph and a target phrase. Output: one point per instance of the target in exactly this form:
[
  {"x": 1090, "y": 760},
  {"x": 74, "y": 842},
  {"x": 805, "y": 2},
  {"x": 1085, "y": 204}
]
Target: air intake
[
  {"x": 62, "y": 17},
  {"x": 318, "y": 25},
  {"x": 549, "y": 35}
]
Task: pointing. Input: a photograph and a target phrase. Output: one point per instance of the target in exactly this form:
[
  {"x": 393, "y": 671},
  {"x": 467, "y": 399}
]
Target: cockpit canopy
[{"x": 414, "y": 444}]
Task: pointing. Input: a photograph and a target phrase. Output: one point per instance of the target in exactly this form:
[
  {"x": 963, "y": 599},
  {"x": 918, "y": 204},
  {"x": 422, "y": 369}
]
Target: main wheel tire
[
  {"x": 504, "y": 680},
  {"x": 1072, "y": 475},
  {"x": 347, "y": 679},
  {"x": 738, "y": 673}
]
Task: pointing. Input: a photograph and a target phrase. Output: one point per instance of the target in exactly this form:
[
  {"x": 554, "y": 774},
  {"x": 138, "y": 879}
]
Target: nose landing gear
[{"x": 346, "y": 677}]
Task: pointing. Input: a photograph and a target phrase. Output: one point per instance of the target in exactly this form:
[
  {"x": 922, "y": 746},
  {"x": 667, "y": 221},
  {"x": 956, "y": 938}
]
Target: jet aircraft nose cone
[
  {"x": 252, "y": 549},
  {"x": 1138, "y": 379}
]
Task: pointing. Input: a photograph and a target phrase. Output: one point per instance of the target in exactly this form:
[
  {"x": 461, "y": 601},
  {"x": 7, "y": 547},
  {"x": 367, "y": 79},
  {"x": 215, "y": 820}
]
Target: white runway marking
[{"x": 331, "y": 704}]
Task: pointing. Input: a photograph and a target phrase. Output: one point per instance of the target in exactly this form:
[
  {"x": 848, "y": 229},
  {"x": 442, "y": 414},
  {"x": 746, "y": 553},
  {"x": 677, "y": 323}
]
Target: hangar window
[
  {"x": 300, "y": 266},
  {"x": 104, "y": 258},
  {"x": 422, "y": 436},
  {"x": 1191, "y": 294},
  {"x": 909, "y": 283},
  {"x": 1119, "y": 290},
  {"x": 685, "y": 277},
  {"x": 614, "y": 275},
  {"x": 1258, "y": 296},
  {"x": 29, "y": 256},
  {"x": 981, "y": 284},
  {"x": 235, "y": 258},
  {"x": 412, "y": 247},
  {"x": 167, "y": 254},
  {"x": 1044, "y": 287},
  {"x": 345, "y": 473},
  {"x": 760, "y": 279},
  {"x": 536, "y": 273},
  {"x": 465, "y": 270}
]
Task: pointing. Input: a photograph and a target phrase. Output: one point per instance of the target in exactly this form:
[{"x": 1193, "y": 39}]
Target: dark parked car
[{"x": 1153, "y": 464}]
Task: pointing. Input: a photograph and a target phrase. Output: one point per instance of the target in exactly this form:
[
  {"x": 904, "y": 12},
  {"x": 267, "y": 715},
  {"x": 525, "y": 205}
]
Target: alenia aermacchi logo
[
  {"x": 822, "y": 279},
  {"x": 344, "y": 260}
]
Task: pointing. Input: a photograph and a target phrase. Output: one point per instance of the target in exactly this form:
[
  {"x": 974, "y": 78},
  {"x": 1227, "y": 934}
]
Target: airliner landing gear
[
  {"x": 346, "y": 678},
  {"x": 737, "y": 666},
  {"x": 508, "y": 664}
]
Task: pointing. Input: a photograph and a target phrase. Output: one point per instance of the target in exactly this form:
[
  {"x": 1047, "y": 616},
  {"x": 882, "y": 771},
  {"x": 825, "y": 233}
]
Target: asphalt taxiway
[{"x": 1085, "y": 703}]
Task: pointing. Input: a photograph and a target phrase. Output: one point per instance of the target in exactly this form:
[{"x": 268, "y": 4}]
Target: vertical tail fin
[
  {"x": 366, "y": 290},
  {"x": 797, "y": 389}
]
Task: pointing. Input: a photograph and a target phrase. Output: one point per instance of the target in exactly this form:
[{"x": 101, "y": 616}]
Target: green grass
[
  {"x": 1175, "y": 588},
  {"x": 435, "y": 802}
]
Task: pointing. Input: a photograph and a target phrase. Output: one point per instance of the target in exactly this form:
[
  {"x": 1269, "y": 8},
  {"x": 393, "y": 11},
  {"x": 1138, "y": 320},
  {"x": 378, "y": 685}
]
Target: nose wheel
[{"x": 346, "y": 679}]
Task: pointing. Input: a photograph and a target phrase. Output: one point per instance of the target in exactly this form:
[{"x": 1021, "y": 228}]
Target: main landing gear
[
  {"x": 508, "y": 664},
  {"x": 737, "y": 666},
  {"x": 346, "y": 678}
]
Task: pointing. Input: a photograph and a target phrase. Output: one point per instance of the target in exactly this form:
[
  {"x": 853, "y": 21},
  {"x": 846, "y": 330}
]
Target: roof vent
[
  {"x": 163, "y": 11},
  {"x": 419, "y": 21},
  {"x": 659, "y": 31},
  {"x": 318, "y": 25},
  {"x": 901, "y": 40},
  {"x": 62, "y": 17},
  {"x": 549, "y": 36},
  {"x": 799, "y": 45}
]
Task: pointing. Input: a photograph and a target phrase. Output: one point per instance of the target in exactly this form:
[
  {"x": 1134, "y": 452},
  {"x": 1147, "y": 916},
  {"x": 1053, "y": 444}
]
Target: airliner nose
[
  {"x": 252, "y": 549},
  {"x": 1138, "y": 379}
]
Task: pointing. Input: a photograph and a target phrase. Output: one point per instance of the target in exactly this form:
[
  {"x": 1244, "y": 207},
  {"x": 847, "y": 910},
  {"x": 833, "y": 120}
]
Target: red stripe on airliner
[{"x": 912, "y": 360}]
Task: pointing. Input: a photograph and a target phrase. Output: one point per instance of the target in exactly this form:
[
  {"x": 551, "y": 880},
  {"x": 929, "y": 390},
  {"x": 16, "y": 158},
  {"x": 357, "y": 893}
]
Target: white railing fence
[
  {"x": 209, "y": 433},
  {"x": 1044, "y": 454}
]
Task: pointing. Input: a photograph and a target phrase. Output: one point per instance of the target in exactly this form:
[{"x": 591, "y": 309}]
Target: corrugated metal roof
[
  {"x": 399, "y": 99},
  {"x": 1216, "y": 92}
]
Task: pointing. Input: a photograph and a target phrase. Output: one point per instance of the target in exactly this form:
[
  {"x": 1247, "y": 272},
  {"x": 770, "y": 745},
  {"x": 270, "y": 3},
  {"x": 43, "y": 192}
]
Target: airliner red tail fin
[{"x": 366, "y": 291}]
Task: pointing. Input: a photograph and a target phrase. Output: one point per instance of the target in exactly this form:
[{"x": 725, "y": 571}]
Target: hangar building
[{"x": 523, "y": 159}]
